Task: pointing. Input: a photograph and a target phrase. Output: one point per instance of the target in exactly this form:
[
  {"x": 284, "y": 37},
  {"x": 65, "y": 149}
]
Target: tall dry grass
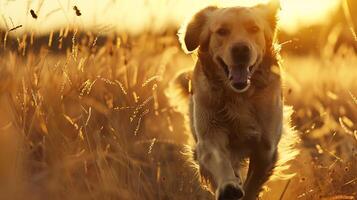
[{"x": 93, "y": 122}]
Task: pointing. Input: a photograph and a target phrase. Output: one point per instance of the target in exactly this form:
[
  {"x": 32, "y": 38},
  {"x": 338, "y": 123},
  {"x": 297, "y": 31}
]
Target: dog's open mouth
[{"x": 238, "y": 75}]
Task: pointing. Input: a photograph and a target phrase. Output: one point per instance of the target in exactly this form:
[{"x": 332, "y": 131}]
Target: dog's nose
[
  {"x": 241, "y": 53},
  {"x": 240, "y": 85}
]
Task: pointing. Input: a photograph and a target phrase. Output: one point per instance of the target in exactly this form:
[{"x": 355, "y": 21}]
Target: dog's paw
[{"x": 230, "y": 191}]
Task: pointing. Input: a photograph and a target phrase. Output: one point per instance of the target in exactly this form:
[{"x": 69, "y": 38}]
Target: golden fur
[{"x": 235, "y": 116}]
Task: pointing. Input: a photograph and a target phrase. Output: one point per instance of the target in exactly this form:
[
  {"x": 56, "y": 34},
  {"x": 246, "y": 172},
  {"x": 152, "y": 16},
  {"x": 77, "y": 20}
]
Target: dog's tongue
[{"x": 239, "y": 75}]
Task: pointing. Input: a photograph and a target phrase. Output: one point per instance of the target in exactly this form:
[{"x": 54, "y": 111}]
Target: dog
[{"x": 236, "y": 106}]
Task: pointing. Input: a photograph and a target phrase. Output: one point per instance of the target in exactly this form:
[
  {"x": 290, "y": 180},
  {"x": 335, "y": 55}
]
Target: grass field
[{"x": 91, "y": 121}]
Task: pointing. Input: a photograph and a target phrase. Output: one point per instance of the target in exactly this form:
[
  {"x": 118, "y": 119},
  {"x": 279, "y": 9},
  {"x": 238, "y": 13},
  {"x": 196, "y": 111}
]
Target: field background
[{"x": 84, "y": 115}]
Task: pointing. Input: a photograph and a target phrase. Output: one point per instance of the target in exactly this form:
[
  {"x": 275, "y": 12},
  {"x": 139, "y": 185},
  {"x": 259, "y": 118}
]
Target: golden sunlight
[
  {"x": 301, "y": 13},
  {"x": 139, "y": 15},
  {"x": 95, "y": 98}
]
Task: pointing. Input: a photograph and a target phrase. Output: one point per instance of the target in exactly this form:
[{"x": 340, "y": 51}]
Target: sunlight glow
[
  {"x": 302, "y": 13},
  {"x": 141, "y": 15}
]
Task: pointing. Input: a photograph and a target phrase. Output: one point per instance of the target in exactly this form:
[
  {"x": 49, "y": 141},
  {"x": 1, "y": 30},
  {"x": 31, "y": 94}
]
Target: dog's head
[{"x": 236, "y": 39}]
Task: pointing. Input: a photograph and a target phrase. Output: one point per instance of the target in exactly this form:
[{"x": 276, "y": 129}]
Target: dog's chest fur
[
  {"x": 238, "y": 116},
  {"x": 241, "y": 119}
]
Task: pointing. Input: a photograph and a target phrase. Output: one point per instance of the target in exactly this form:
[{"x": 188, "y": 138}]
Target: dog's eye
[
  {"x": 254, "y": 29},
  {"x": 222, "y": 31}
]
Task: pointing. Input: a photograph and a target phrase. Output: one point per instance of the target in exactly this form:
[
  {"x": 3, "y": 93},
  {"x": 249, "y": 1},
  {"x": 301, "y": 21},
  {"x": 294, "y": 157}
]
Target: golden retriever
[{"x": 236, "y": 102}]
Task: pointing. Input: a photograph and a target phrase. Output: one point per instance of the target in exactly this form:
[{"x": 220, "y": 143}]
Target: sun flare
[{"x": 148, "y": 16}]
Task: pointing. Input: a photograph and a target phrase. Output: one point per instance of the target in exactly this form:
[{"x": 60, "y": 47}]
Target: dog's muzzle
[{"x": 238, "y": 75}]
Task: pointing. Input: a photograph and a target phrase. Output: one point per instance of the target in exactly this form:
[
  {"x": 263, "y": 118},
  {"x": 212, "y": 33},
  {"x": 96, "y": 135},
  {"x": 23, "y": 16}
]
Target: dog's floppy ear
[
  {"x": 195, "y": 29},
  {"x": 270, "y": 11},
  {"x": 273, "y": 8}
]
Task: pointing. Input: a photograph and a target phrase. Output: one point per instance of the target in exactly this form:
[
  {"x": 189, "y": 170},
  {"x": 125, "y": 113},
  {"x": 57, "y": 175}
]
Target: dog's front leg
[
  {"x": 214, "y": 158},
  {"x": 261, "y": 166}
]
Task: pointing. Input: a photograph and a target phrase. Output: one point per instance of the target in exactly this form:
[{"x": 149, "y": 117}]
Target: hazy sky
[{"x": 139, "y": 15}]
